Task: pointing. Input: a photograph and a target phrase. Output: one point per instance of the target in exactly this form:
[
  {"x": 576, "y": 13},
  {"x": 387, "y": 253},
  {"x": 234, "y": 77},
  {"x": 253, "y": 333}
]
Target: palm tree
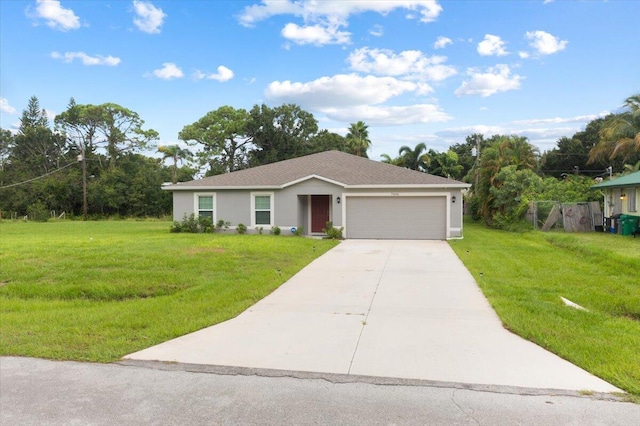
[
  {"x": 523, "y": 154},
  {"x": 387, "y": 159},
  {"x": 358, "y": 138},
  {"x": 631, "y": 168},
  {"x": 620, "y": 137},
  {"x": 414, "y": 158},
  {"x": 176, "y": 154}
]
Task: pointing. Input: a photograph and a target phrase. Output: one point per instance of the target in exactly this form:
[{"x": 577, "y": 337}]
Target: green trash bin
[{"x": 628, "y": 224}]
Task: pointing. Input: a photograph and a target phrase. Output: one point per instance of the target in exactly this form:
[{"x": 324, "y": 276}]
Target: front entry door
[{"x": 320, "y": 205}]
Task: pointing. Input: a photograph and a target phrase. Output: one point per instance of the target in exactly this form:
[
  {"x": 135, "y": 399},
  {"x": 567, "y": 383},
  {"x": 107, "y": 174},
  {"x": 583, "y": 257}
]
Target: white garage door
[{"x": 409, "y": 218}]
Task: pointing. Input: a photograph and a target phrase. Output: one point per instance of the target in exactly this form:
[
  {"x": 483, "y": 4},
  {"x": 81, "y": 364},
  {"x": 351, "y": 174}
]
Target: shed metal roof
[{"x": 632, "y": 179}]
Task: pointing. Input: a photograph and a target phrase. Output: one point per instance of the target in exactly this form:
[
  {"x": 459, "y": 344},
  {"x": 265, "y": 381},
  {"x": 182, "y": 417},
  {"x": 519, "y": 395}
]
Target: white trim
[
  {"x": 209, "y": 188},
  {"x": 293, "y": 182},
  {"x": 632, "y": 207},
  {"x": 447, "y": 196},
  {"x": 253, "y": 208},
  {"x": 196, "y": 205},
  {"x": 308, "y": 214},
  {"x": 412, "y": 186}
]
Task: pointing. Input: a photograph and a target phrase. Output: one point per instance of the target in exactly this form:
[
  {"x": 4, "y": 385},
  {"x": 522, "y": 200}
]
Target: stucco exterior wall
[
  {"x": 182, "y": 204},
  {"x": 234, "y": 207},
  {"x": 291, "y": 205}
]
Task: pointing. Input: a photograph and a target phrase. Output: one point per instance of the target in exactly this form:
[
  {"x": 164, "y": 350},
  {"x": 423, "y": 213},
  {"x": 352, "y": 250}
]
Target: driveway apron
[{"x": 405, "y": 309}]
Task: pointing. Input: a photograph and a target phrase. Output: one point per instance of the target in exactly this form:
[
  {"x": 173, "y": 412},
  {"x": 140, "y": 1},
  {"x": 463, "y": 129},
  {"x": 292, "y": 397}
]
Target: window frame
[
  {"x": 632, "y": 200},
  {"x": 196, "y": 204},
  {"x": 271, "y": 196}
]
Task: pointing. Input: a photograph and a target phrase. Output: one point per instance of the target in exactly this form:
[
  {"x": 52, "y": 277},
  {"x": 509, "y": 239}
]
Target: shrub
[
  {"x": 205, "y": 223},
  {"x": 332, "y": 232},
  {"x": 223, "y": 224},
  {"x": 259, "y": 229},
  {"x": 38, "y": 212},
  {"x": 275, "y": 230},
  {"x": 299, "y": 231},
  {"x": 192, "y": 224},
  {"x": 241, "y": 228}
]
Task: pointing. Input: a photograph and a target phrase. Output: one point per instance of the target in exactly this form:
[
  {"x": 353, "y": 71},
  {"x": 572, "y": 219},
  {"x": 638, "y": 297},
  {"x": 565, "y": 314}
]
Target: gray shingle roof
[{"x": 337, "y": 166}]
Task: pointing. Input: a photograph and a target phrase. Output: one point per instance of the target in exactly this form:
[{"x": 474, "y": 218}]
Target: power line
[{"x": 39, "y": 177}]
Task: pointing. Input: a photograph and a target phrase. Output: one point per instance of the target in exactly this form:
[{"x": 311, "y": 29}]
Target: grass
[
  {"x": 524, "y": 275},
  {"x": 95, "y": 291}
]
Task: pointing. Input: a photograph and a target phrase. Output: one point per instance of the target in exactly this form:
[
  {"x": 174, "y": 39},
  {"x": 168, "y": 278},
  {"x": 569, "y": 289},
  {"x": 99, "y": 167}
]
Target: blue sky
[{"x": 414, "y": 71}]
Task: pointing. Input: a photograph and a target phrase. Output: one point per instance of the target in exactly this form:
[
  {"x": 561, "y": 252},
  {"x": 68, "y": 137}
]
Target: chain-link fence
[{"x": 570, "y": 217}]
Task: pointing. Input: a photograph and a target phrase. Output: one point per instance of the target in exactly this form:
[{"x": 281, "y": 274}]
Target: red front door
[{"x": 320, "y": 205}]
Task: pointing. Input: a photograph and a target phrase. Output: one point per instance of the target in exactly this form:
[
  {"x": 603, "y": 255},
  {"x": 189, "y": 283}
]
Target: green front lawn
[
  {"x": 95, "y": 291},
  {"x": 524, "y": 276}
]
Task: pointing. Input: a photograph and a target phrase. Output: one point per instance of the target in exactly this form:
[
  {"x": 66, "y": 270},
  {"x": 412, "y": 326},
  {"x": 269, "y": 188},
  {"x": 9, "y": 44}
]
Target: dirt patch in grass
[{"x": 199, "y": 250}]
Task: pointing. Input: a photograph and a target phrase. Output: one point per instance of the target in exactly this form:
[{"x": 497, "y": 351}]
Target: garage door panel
[{"x": 396, "y": 217}]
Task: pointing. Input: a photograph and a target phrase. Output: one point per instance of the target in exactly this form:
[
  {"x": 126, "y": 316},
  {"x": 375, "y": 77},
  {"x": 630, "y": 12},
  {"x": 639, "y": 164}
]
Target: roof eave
[
  {"x": 216, "y": 187},
  {"x": 621, "y": 185},
  {"x": 411, "y": 186}
]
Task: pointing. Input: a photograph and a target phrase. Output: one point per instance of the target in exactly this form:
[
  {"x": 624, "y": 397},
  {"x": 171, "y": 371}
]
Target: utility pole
[
  {"x": 83, "y": 159},
  {"x": 475, "y": 188}
]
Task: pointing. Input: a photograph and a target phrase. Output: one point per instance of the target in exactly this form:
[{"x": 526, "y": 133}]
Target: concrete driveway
[{"x": 404, "y": 309}]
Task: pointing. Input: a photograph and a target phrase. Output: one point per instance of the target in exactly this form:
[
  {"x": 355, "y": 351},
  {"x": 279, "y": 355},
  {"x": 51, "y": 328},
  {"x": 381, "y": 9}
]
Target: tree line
[
  {"x": 90, "y": 162},
  {"x": 92, "y": 158},
  {"x": 509, "y": 172}
]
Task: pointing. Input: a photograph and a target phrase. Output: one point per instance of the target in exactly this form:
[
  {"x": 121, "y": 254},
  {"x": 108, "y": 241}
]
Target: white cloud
[
  {"x": 168, "y": 71},
  {"x": 492, "y": 45},
  {"x": 268, "y": 8},
  {"x": 463, "y": 131},
  {"x": 315, "y": 34},
  {"x": 441, "y": 42},
  {"x": 562, "y": 120},
  {"x": 50, "y": 114},
  {"x": 409, "y": 63},
  {"x": 495, "y": 79},
  {"x": 149, "y": 18},
  {"x": 543, "y": 133},
  {"x": 69, "y": 57},
  {"x": 389, "y": 115},
  {"x": 223, "y": 74},
  {"x": 545, "y": 43},
  {"x": 523, "y": 55},
  {"x": 5, "y": 107},
  {"x": 56, "y": 16},
  {"x": 342, "y": 90},
  {"x": 377, "y": 30},
  {"x": 323, "y": 20},
  {"x": 312, "y": 10}
]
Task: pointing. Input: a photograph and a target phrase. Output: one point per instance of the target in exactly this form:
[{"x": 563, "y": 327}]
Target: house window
[
  {"x": 205, "y": 206},
  {"x": 262, "y": 208},
  {"x": 633, "y": 202}
]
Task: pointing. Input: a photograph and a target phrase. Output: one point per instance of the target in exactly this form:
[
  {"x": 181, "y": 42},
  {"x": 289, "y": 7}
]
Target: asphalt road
[{"x": 41, "y": 392}]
